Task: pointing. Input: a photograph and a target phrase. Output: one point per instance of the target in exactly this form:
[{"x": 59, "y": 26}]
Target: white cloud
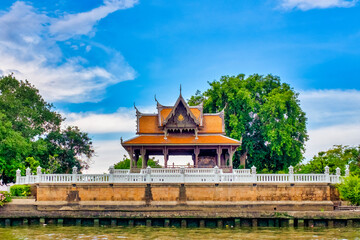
[
  {"x": 29, "y": 48},
  {"x": 311, "y": 4},
  {"x": 108, "y": 153},
  {"x": 121, "y": 121},
  {"x": 83, "y": 23},
  {"x": 324, "y": 138},
  {"x": 330, "y": 107},
  {"x": 333, "y": 117}
]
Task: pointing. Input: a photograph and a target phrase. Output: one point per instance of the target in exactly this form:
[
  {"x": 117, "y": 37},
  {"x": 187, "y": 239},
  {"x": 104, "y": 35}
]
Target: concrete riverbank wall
[{"x": 176, "y": 193}]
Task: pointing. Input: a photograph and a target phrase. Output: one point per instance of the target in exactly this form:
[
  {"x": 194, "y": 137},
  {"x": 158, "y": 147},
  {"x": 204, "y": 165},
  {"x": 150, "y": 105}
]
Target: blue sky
[{"x": 93, "y": 59}]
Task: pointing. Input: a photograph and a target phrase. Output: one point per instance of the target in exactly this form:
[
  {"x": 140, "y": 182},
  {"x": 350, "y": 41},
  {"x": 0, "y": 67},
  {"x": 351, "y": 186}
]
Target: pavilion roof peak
[{"x": 183, "y": 102}]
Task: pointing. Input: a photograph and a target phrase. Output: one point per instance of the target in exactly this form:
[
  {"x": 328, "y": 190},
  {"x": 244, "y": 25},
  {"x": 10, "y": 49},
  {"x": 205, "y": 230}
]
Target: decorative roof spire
[
  {"x": 137, "y": 110},
  {"x": 180, "y": 89}
]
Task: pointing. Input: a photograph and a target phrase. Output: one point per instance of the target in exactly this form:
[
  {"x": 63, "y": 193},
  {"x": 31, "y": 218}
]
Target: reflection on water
[{"x": 54, "y": 232}]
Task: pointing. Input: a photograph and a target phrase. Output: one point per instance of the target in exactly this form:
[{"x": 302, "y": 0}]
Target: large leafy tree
[
  {"x": 31, "y": 134},
  {"x": 337, "y": 156},
  {"x": 264, "y": 113}
]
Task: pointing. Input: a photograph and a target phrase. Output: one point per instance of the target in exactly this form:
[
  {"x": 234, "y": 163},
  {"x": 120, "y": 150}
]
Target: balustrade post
[
  {"x": 291, "y": 174},
  {"x": 74, "y": 174},
  {"x": 148, "y": 174},
  {"x": 18, "y": 176},
  {"x": 182, "y": 171},
  {"x": 111, "y": 171},
  {"x": 253, "y": 173},
  {"x": 327, "y": 174},
  {"x": 38, "y": 174},
  {"x": 338, "y": 173},
  {"x": 217, "y": 174},
  {"x": 347, "y": 171},
  {"x": 28, "y": 173}
]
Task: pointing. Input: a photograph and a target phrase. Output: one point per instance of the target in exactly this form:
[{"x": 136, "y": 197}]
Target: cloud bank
[
  {"x": 32, "y": 47},
  {"x": 320, "y": 4},
  {"x": 333, "y": 119}
]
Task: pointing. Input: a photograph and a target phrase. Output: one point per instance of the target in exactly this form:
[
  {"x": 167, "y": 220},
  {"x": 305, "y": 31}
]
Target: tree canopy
[
  {"x": 31, "y": 133},
  {"x": 125, "y": 163},
  {"x": 264, "y": 113}
]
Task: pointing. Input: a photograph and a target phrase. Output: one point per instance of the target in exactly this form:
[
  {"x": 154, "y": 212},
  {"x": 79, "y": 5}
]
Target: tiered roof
[{"x": 180, "y": 124}]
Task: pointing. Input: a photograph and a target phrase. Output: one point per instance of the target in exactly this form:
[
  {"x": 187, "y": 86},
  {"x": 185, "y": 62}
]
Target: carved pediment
[{"x": 181, "y": 118}]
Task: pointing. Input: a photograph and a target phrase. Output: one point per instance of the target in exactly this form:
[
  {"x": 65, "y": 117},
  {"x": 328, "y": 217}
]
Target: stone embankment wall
[{"x": 183, "y": 193}]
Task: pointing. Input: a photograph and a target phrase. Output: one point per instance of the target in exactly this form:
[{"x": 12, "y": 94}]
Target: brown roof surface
[
  {"x": 149, "y": 124},
  {"x": 212, "y": 124},
  {"x": 164, "y": 113},
  {"x": 182, "y": 139}
]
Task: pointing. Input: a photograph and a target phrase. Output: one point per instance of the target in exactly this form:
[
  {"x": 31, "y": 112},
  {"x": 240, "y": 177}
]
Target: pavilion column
[
  {"x": 196, "y": 153},
  {"x": 136, "y": 159},
  {"x": 218, "y": 152},
  {"x": 131, "y": 153},
  {"x": 166, "y": 156},
  {"x": 231, "y": 155},
  {"x": 143, "y": 155}
]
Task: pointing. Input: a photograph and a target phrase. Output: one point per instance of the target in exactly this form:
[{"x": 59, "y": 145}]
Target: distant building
[{"x": 182, "y": 130}]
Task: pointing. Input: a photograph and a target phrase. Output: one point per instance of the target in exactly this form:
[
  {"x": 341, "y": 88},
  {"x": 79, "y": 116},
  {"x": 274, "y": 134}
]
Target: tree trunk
[{"x": 243, "y": 158}]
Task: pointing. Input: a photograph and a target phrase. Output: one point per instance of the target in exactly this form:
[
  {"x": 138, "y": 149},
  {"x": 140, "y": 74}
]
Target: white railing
[
  {"x": 242, "y": 171},
  {"x": 272, "y": 178},
  {"x": 121, "y": 171},
  {"x": 179, "y": 175}
]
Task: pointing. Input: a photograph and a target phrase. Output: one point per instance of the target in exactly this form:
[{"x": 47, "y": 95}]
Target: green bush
[
  {"x": 20, "y": 190},
  {"x": 349, "y": 190},
  {"x": 4, "y": 197}
]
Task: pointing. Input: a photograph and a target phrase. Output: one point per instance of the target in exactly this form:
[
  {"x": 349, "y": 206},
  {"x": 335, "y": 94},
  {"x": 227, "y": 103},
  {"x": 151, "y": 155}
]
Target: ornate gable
[{"x": 181, "y": 116}]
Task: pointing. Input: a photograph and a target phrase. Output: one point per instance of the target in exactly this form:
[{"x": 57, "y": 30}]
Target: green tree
[
  {"x": 24, "y": 107},
  {"x": 264, "y": 113},
  {"x": 125, "y": 163},
  {"x": 71, "y": 147},
  {"x": 30, "y": 133},
  {"x": 338, "y": 156},
  {"x": 349, "y": 190},
  {"x": 13, "y": 149}
]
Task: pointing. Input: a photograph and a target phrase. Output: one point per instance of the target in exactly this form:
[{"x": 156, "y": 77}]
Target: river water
[{"x": 56, "y": 232}]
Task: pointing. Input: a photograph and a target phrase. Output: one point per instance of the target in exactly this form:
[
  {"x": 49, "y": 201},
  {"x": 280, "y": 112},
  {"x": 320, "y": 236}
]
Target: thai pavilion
[{"x": 182, "y": 130}]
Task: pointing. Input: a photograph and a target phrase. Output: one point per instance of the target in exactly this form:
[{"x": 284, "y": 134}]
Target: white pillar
[
  {"x": 347, "y": 171},
  {"x": 253, "y": 173},
  {"x": 148, "y": 174},
  {"x": 74, "y": 174},
  {"x": 327, "y": 173},
  {"x": 28, "y": 173},
  {"x": 291, "y": 174},
  {"x": 38, "y": 174},
  {"x": 18, "y": 176}
]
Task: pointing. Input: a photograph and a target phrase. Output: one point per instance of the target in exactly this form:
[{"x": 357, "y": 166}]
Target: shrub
[
  {"x": 4, "y": 197},
  {"x": 20, "y": 190},
  {"x": 349, "y": 190}
]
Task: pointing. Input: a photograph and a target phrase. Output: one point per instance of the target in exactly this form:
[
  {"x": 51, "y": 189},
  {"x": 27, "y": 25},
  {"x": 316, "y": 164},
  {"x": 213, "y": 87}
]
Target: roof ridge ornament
[
  {"x": 180, "y": 89},
  {"x": 137, "y": 110}
]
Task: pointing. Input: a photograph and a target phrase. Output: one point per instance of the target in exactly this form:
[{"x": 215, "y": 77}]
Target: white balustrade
[
  {"x": 272, "y": 178},
  {"x": 178, "y": 175},
  {"x": 242, "y": 171},
  {"x": 121, "y": 171}
]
